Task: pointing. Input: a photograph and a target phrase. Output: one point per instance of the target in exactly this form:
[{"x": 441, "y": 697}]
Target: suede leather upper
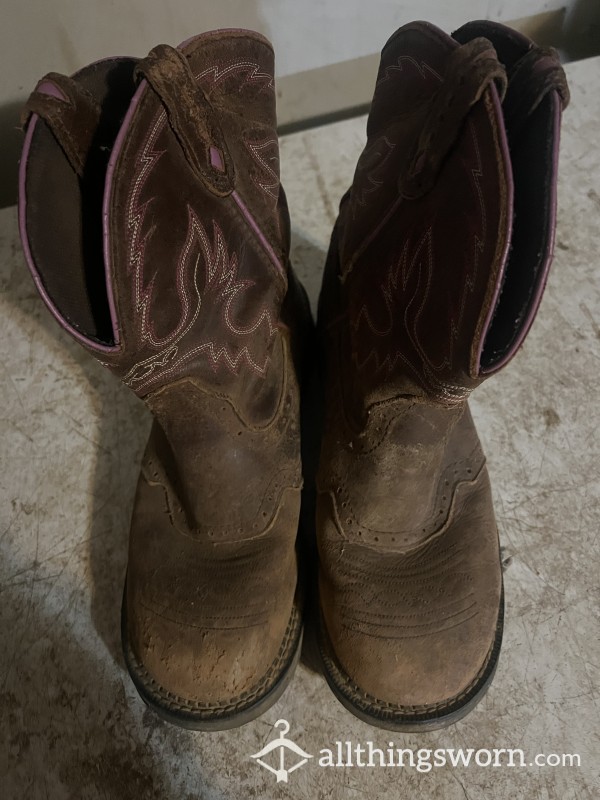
[
  {"x": 410, "y": 579},
  {"x": 207, "y": 325}
]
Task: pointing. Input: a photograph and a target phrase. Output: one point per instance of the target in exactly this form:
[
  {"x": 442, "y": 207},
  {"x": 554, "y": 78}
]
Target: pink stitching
[
  {"x": 221, "y": 269},
  {"x": 222, "y": 274},
  {"x": 217, "y": 355},
  {"x": 365, "y": 174},
  {"x": 421, "y": 68},
  {"x": 388, "y": 287},
  {"x": 221, "y": 283},
  {"x": 256, "y": 148},
  {"x": 451, "y": 392},
  {"x": 221, "y": 73}
]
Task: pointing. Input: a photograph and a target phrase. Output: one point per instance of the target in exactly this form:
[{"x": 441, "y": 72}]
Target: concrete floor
[{"x": 71, "y": 724}]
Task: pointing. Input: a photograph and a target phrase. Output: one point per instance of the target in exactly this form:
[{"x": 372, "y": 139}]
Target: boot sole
[
  {"x": 204, "y": 717},
  {"x": 406, "y": 719}
]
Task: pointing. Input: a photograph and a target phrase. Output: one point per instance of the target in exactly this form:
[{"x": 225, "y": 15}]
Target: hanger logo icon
[{"x": 285, "y": 746}]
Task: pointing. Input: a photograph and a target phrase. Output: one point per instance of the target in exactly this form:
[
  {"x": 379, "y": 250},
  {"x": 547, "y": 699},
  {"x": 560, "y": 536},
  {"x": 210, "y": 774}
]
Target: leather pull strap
[
  {"x": 70, "y": 112},
  {"x": 191, "y": 117},
  {"x": 533, "y": 76},
  {"x": 472, "y": 67}
]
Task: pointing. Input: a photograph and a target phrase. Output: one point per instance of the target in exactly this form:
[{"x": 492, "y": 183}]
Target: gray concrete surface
[{"x": 71, "y": 724}]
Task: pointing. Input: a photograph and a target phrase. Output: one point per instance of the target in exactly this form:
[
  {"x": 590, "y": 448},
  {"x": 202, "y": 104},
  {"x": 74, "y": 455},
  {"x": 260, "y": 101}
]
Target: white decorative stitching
[
  {"x": 256, "y": 149},
  {"x": 254, "y": 75}
]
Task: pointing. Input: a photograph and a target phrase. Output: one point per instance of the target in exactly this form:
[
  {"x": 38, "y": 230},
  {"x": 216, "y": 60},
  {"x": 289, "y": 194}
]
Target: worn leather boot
[
  {"x": 157, "y": 233},
  {"x": 436, "y": 268}
]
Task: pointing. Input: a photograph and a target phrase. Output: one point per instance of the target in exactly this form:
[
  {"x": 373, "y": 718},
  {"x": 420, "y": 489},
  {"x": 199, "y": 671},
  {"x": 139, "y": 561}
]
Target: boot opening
[
  {"x": 525, "y": 273},
  {"x": 533, "y": 160},
  {"x": 64, "y": 212}
]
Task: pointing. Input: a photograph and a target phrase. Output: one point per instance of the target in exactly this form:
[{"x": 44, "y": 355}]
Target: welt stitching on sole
[
  {"x": 173, "y": 702},
  {"x": 389, "y": 711}
]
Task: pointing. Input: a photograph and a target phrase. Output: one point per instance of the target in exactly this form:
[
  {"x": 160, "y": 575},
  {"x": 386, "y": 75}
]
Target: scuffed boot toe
[
  {"x": 209, "y": 678},
  {"x": 211, "y": 630},
  {"x": 410, "y": 640}
]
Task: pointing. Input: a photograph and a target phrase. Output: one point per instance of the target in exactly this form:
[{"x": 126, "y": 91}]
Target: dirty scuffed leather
[
  {"x": 435, "y": 272},
  {"x": 157, "y": 232}
]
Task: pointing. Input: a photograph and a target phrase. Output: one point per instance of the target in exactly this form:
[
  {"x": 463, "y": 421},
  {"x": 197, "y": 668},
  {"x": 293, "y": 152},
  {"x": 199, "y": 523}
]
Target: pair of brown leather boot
[{"x": 157, "y": 232}]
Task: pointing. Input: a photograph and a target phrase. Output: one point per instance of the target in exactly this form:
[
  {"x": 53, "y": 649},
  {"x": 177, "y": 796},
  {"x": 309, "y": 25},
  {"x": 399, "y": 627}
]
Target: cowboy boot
[
  {"x": 157, "y": 234},
  {"x": 435, "y": 272}
]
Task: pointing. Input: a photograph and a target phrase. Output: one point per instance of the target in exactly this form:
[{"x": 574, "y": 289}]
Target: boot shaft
[
  {"x": 433, "y": 280},
  {"x": 157, "y": 233},
  {"x": 153, "y": 219}
]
